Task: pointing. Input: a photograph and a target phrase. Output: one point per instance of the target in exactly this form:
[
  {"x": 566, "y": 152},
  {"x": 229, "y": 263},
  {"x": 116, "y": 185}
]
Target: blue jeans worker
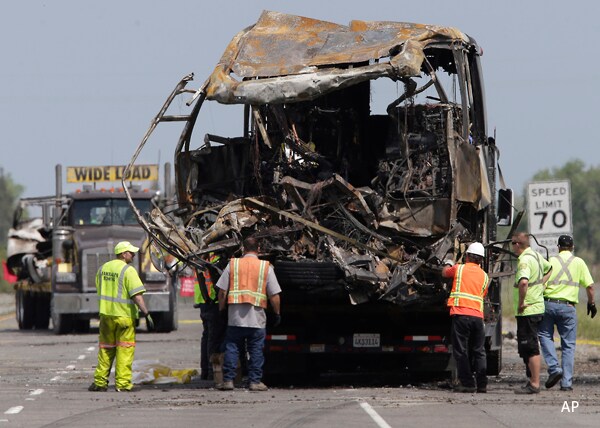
[
  {"x": 244, "y": 288},
  {"x": 469, "y": 287},
  {"x": 532, "y": 272},
  {"x": 120, "y": 291},
  {"x": 561, "y": 295}
]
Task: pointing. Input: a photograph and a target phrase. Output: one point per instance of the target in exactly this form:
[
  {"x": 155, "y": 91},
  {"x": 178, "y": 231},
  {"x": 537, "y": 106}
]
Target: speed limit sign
[{"x": 549, "y": 209}]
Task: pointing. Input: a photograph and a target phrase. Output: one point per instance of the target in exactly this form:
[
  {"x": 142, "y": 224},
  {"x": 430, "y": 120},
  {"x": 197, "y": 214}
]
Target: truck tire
[
  {"x": 165, "y": 322},
  {"x": 307, "y": 272},
  {"x": 61, "y": 323},
  {"x": 25, "y": 309},
  {"x": 42, "y": 311},
  {"x": 494, "y": 362},
  {"x": 81, "y": 325}
]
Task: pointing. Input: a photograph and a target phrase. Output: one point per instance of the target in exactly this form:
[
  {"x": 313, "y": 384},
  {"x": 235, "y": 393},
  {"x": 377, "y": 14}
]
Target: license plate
[{"x": 366, "y": 340}]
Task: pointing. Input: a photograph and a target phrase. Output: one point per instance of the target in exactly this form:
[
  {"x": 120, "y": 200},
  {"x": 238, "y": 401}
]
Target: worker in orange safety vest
[{"x": 469, "y": 287}]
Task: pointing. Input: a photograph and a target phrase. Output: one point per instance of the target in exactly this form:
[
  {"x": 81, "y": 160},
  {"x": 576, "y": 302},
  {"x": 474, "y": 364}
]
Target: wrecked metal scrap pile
[{"x": 370, "y": 202}]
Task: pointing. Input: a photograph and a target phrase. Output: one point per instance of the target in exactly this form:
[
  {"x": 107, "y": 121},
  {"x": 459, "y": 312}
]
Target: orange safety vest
[
  {"x": 248, "y": 281},
  {"x": 469, "y": 287}
]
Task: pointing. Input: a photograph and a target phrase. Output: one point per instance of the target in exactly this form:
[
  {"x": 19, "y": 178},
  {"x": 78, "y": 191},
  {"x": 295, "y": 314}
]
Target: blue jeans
[
  {"x": 565, "y": 319},
  {"x": 255, "y": 342}
]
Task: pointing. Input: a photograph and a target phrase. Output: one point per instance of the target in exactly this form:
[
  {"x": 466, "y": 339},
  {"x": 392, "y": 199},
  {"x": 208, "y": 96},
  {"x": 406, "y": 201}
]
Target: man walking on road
[
  {"x": 561, "y": 295},
  {"x": 532, "y": 272},
  {"x": 120, "y": 292},
  {"x": 244, "y": 287},
  {"x": 466, "y": 310}
]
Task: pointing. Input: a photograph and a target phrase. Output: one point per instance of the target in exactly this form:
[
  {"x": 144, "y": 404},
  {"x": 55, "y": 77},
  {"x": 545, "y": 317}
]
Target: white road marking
[
  {"x": 37, "y": 392},
  {"x": 91, "y": 348},
  {"x": 70, "y": 367},
  {"x": 14, "y": 410},
  {"x": 81, "y": 357},
  {"x": 374, "y": 415},
  {"x": 55, "y": 378}
]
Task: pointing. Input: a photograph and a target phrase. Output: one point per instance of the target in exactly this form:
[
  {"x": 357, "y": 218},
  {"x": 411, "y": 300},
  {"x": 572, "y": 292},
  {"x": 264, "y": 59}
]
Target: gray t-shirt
[{"x": 245, "y": 314}]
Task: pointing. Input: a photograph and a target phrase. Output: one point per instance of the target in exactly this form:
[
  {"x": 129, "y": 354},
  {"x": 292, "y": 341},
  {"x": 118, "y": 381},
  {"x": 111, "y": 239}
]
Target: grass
[{"x": 587, "y": 328}]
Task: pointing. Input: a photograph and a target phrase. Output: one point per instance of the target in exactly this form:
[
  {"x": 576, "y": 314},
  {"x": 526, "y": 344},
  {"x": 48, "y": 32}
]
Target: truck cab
[{"x": 57, "y": 261}]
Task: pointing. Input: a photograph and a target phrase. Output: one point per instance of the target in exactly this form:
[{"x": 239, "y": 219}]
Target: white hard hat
[{"x": 477, "y": 249}]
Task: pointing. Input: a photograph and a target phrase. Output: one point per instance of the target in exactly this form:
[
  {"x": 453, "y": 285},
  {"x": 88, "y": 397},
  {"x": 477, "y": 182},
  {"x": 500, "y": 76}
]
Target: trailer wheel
[{"x": 25, "y": 310}]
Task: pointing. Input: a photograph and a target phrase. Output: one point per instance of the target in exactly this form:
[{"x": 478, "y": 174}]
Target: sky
[{"x": 81, "y": 80}]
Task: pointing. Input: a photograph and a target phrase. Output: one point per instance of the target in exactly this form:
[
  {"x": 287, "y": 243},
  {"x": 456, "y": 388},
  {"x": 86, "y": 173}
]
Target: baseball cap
[
  {"x": 123, "y": 246},
  {"x": 565, "y": 241}
]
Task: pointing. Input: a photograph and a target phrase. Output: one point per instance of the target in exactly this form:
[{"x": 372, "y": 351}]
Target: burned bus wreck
[{"x": 356, "y": 203}]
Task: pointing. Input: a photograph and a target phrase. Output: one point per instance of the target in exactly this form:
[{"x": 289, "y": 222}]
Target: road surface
[{"x": 44, "y": 380}]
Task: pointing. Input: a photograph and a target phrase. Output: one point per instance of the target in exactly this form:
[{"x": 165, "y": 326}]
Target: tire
[
  {"x": 494, "y": 362},
  {"x": 25, "y": 309},
  {"x": 307, "y": 273},
  {"x": 165, "y": 322},
  {"x": 42, "y": 311},
  {"x": 81, "y": 325},
  {"x": 61, "y": 323}
]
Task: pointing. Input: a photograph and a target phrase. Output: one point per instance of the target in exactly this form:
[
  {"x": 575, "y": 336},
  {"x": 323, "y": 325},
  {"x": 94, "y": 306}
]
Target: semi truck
[
  {"x": 363, "y": 160},
  {"x": 57, "y": 244}
]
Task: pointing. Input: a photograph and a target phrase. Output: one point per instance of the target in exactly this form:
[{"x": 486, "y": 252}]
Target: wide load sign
[
  {"x": 549, "y": 213},
  {"x": 89, "y": 174}
]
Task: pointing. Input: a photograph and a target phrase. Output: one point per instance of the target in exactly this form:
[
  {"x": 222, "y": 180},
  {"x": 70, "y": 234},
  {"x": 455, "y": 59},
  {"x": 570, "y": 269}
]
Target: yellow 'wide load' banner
[{"x": 87, "y": 174}]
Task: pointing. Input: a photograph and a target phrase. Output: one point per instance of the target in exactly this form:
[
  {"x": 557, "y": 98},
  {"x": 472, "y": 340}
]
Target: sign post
[{"x": 549, "y": 213}]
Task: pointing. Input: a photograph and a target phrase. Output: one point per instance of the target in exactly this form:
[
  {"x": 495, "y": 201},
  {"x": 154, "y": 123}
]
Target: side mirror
[{"x": 505, "y": 207}]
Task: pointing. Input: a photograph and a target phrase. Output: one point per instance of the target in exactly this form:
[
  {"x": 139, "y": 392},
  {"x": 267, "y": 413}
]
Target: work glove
[
  {"x": 276, "y": 320},
  {"x": 149, "y": 322},
  {"x": 591, "y": 309},
  {"x": 448, "y": 262}
]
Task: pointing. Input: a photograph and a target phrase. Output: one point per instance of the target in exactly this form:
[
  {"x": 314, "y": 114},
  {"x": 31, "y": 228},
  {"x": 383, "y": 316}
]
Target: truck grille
[{"x": 92, "y": 260}]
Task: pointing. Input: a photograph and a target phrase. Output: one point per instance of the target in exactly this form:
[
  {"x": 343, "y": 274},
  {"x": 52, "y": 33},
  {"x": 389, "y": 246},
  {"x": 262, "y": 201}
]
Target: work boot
[
  {"x": 258, "y": 387},
  {"x": 553, "y": 379},
  {"x": 467, "y": 389},
  {"x": 94, "y": 387},
  {"x": 527, "y": 389},
  {"x": 132, "y": 389},
  {"x": 217, "y": 368},
  {"x": 226, "y": 386}
]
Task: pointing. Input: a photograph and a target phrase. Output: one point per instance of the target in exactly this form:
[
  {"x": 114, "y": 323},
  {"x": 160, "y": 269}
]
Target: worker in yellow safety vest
[
  {"x": 213, "y": 327},
  {"x": 120, "y": 291},
  {"x": 561, "y": 295}
]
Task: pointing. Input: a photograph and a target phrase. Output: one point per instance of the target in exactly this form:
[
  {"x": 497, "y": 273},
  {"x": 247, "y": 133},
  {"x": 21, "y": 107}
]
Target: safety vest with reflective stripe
[
  {"x": 568, "y": 273},
  {"x": 531, "y": 266},
  {"x": 210, "y": 287},
  {"x": 116, "y": 283},
  {"x": 248, "y": 281},
  {"x": 468, "y": 288}
]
